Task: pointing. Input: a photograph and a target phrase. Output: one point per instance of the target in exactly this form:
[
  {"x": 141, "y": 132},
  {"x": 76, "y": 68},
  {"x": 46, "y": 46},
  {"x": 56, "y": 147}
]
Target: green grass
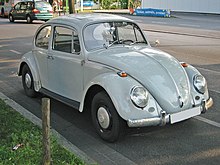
[{"x": 15, "y": 129}]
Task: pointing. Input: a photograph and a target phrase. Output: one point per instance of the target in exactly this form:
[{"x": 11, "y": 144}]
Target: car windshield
[{"x": 107, "y": 34}]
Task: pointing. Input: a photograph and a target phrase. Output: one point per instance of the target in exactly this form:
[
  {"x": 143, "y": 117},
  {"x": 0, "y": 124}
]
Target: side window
[
  {"x": 17, "y": 7},
  {"x": 30, "y": 5},
  {"x": 65, "y": 40},
  {"x": 42, "y": 38},
  {"x": 23, "y": 6}
]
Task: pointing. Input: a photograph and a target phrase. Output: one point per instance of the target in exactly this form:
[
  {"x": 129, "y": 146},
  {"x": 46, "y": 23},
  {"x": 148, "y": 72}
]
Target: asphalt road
[
  {"x": 195, "y": 141},
  {"x": 191, "y": 20}
]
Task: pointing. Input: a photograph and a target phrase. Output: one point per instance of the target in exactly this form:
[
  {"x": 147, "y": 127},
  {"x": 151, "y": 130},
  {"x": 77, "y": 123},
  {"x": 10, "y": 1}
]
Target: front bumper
[{"x": 168, "y": 118}]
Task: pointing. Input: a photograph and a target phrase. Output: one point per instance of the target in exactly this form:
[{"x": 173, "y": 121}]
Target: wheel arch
[
  {"x": 91, "y": 92},
  {"x": 29, "y": 60}
]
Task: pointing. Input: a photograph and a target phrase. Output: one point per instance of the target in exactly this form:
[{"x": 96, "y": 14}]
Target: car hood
[{"x": 160, "y": 73}]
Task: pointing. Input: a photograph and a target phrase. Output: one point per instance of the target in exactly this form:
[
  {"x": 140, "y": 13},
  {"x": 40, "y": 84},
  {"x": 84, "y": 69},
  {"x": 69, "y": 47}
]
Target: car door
[
  {"x": 65, "y": 70},
  {"x": 16, "y": 11},
  {"x": 40, "y": 51},
  {"x": 22, "y": 11}
]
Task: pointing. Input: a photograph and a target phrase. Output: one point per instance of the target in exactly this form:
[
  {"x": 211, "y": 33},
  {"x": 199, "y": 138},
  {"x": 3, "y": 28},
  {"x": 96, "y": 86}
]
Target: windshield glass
[
  {"x": 42, "y": 5},
  {"x": 104, "y": 35}
]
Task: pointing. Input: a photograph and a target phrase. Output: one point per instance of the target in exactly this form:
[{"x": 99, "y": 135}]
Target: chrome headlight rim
[
  {"x": 200, "y": 83},
  {"x": 139, "y": 96}
]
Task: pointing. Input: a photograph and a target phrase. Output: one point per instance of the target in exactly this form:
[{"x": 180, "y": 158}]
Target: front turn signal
[
  {"x": 184, "y": 64},
  {"x": 122, "y": 74}
]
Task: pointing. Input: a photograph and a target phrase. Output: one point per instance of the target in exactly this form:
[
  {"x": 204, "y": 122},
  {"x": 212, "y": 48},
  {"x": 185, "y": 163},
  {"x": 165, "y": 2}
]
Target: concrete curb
[{"x": 35, "y": 120}]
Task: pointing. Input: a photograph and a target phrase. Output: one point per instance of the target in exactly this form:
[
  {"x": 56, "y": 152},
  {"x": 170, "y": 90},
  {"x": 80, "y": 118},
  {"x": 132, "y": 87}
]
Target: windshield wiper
[
  {"x": 116, "y": 41},
  {"x": 122, "y": 41},
  {"x": 136, "y": 42}
]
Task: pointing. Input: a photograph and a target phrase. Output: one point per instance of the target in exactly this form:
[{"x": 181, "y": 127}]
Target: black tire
[
  {"x": 115, "y": 129},
  {"x": 11, "y": 18},
  {"x": 29, "y": 19},
  {"x": 28, "y": 82}
]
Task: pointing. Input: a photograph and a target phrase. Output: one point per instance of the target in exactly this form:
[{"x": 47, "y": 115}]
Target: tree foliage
[{"x": 114, "y": 4}]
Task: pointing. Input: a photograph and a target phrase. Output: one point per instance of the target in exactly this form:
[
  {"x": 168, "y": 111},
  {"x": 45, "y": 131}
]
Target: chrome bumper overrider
[{"x": 164, "y": 118}]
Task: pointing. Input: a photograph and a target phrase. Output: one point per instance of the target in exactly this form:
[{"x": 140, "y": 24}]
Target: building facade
[{"x": 199, "y": 6}]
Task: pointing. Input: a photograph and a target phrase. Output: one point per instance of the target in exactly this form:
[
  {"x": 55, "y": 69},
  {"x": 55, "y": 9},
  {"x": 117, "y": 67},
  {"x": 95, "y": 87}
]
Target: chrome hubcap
[
  {"x": 103, "y": 117},
  {"x": 28, "y": 80}
]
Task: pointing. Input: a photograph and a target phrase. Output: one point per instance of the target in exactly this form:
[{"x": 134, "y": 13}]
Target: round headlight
[
  {"x": 200, "y": 84},
  {"x": 139, "y": 96}
]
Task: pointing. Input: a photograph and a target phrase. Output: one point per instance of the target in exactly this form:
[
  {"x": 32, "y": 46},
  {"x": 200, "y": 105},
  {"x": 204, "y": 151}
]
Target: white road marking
[
  {"x": 14, "y": 51},
  {"x": 214, "y": 91},
  {"x": 213, "y": 123},
  {"x": 157, "y": 22},
  {"x": 189, "y": 25},
  {"x": 208, "y": 70},
  {"x": 139, "y": 21}
]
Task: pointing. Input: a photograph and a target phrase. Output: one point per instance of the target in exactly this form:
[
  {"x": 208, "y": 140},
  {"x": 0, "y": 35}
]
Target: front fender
[
  {"x": 191, "y": 72},
  {"x": 29, "y": 60},
  {"x": 118, "y": 89}
]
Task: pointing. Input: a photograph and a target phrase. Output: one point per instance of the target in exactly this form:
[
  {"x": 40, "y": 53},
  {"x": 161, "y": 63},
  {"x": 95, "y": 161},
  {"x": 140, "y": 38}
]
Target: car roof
[{"x": 82, "y": 19}]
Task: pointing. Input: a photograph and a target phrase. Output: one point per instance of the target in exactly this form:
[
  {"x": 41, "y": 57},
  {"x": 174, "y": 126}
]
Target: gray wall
[{"x": 201, "y": 6}]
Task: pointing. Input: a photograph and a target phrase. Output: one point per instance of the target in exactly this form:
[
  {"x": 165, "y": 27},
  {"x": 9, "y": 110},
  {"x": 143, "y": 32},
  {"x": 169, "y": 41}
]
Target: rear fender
[{"x": 29, "y": 60}]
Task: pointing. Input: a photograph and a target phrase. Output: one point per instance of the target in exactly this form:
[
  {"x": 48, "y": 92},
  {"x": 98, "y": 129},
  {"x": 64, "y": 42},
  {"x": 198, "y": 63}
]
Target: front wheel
[
  {"x": 11, "y": 18},
  {"x": 106, "y": 120},
  {"x": 28, "y": 82}
]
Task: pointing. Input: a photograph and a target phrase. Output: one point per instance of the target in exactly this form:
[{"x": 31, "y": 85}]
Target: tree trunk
[{"x": 71, "y": 6}]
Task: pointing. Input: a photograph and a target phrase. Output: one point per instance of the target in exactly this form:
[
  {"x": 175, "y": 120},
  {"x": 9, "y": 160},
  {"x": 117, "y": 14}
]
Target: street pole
[{"x": 81, "y": 6}]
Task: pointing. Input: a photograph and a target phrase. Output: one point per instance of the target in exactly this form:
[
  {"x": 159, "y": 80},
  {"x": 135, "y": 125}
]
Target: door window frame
[{"x": 74, "y": 34}]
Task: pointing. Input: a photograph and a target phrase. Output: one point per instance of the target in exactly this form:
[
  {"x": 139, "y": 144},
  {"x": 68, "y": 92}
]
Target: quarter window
[
  {"x": 17, "y": 7},
  {"x": 23, "y": 6},
  {"x": 66, "y": 40},
  {"x": 42, "y": 39}
]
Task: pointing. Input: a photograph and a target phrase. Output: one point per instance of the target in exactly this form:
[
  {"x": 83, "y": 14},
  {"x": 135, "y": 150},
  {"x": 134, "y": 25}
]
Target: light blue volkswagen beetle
[{"x": 104, "y": 64}]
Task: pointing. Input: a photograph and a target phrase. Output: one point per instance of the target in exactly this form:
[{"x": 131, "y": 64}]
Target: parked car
[
  {"x": 31, "y": 10},
  {"x": 104, "y": 64}
]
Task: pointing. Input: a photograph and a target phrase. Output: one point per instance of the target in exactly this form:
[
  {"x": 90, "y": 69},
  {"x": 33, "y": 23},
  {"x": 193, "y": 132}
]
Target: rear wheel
[
  {"x": 28, "y": 18},
  {"x": 28, "y": 82},
  {"x": 11, "y": 18},
  {"x": 106, "y": 120}
]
